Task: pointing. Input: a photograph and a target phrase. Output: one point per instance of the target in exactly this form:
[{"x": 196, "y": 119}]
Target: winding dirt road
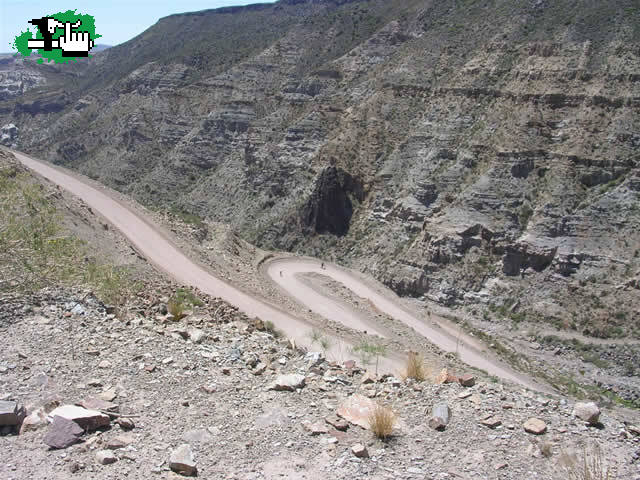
[
  {"x": 288, "y": 274},
  {"x": 163, "y": 253}
]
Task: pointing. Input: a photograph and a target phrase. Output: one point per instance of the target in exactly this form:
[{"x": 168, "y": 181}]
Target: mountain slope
[{"x": 474, "y": 153}]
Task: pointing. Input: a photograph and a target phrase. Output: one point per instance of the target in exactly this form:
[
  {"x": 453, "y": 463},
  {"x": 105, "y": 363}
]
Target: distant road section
[{"x": 160, "y": 250}]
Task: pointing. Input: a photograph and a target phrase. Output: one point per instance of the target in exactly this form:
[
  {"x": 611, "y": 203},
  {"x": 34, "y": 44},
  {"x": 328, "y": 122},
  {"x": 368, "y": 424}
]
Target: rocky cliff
[{"x": 473, "y": 153}]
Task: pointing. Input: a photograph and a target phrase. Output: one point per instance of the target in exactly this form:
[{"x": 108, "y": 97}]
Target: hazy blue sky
[{"x": 116, "y": 20}]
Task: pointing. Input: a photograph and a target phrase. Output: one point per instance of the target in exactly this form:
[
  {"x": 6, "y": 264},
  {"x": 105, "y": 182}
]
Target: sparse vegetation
[
  {"x": 176, "y": 308},
  {"x": 114, "y": 285},
  {"x": 270, "y": 327},
  {"x": 368, "y": 351},
  {"x": 415, "y": 368},
  {"x": 381, "y": 421},
  {"x": 321, "y": 339},
  {"x": 592, "y": 465},
  {"x": 36, "y": 251}
]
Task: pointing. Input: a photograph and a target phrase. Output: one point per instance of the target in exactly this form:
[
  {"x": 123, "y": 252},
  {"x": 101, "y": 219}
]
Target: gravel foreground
[{"x": 216, "y": 396}]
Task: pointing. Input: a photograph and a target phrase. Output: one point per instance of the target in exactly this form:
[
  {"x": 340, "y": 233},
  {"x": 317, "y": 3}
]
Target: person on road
[
  {"x": 280, "y": 272},
  {"x": 322, "y": 265}
]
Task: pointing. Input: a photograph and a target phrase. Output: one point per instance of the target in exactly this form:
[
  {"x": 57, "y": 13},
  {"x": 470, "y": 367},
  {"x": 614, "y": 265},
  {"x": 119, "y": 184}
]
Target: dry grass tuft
[
  {"x": 591, "y": 466},
  {"x": 176, "y": 308},
  {"x": 381, "y": 421},
  {"x": 415, "y": 368}
]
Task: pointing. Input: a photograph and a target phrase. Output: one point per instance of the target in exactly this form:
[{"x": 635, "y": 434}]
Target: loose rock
[
  {"x": 288, "y": 383},
  {"x": 87, "y": 419},
  {"x": 360, "y": 450},
  {"x": 535, "y": 426},
  {"x": 105, "y": 457},
  {"x": 182, "y": 461},
  {"x": 62, "y": 433},
  {"x": 11, "y": 413},
  {"x": 587, "y": 411}
]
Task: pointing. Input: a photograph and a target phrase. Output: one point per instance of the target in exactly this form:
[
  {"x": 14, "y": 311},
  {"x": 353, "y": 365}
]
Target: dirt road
[
  {"x": 287, "y": 273},
  {"x": 161, "y": 251}
]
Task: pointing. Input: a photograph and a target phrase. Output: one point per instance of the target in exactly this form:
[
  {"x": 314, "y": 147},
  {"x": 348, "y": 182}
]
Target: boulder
[
  {"x": 587, "y": 411},
  {"x": 288, "y": 383},
  {"x": 87, "y": 419},
  {"x": 357, "y": 409},
  {"x": 182, "y": 461},
  {"x": 62, "y": 433},
  {"x": 11, "y": 413}
]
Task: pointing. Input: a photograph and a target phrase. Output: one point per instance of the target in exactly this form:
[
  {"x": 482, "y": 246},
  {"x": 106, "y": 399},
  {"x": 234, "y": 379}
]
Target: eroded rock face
[
  {"x": 446, "y": 161},
  {"x": 329, "y": 208}
]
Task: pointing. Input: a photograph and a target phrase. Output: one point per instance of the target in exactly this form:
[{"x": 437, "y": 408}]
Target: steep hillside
[{"x": 471, "y": 153}]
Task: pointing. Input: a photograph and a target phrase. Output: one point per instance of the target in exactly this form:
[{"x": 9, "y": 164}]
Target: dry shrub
[
  {"x": 176, "y": 308},
  {"x": 591, "y": 466},
  {"x": 381, "y": 421},
  {"x": 415, "y": 368}
]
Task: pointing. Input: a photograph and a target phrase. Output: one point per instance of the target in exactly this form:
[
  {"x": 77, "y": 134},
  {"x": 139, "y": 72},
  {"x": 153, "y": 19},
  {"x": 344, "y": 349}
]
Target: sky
[{"x": 116, "y": 20}]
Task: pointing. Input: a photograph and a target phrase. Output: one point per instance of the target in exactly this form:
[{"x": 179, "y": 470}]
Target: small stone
[
  {"x": 332, "y": 440},
  {"x": 182, "y": 461},
  {"x": 440, "y": 416},
  {"x": 121, "y": 441},
  {"x": 62, "y": 433},
  {"x": 463, "y": 395},
  {"x": 313, "y": 359},
  {"x": 196, "y": 335},
  {"x": 316, "y": 428},
  {"x": 288, "y": 383},
  {"x": 467, "y": 380},
  {"x": 125, "y": 423},
  {"x": 360, "y": 451},
  {"x": 94, "y": 382},
  {"x": 150, "y": 368},
  {"x": 105, "y": 457},
  {"x": 492, "y": 422},
  {"x": 107, "y": 395},
  {"x": 337, "y": 423},
  {"x": 535, "y": 426},
  {"x": 368, "y": 377},
  {"x": 226, "y": 371},
  {"x": 167, "y": 361},
  {"x": 94, "y": 403},
  {"x": 104, "y": 364},
  {"x": 260, "y": 368},
  {"x": 587, "y": 411}
]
